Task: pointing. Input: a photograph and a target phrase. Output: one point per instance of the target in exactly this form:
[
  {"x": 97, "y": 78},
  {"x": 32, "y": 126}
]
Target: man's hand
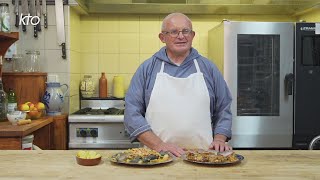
[
  {"x": 219, "y": 146},
  {"x": 151, "y": 140},
  {"x": 168, "y": 147},
  {"x": 219, "y": 143}
]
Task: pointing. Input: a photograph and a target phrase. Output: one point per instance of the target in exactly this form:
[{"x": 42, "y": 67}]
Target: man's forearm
[{"x": 149, "y": 139}]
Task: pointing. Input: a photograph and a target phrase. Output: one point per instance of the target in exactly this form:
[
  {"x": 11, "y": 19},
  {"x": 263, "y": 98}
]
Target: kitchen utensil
[
  {"x": 33, "y": 13},
  {"x": 16, "y": 12},
  {"x": 38, "y": 12},
  {"x": 44, "y": 12},
  {"x": 54, "y": 98},
  {"x": 60, "y": 26},
  {"x": 25, "y": 11}
]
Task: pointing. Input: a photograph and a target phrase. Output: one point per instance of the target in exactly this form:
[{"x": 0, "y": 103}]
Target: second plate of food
[
  {"x": 212, "y": 157},
  {"x": 141, "y": 157}
]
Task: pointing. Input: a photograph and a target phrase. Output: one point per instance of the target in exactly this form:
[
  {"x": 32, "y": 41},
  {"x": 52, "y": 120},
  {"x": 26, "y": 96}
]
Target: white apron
[{"x": 179, "y": 110}]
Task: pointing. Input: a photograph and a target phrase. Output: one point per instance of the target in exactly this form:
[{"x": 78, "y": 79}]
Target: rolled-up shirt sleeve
[{"x": 134, "y": 120}]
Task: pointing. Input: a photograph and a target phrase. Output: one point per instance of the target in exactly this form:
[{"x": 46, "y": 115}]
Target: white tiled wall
[{"x": 50, "y": 51}]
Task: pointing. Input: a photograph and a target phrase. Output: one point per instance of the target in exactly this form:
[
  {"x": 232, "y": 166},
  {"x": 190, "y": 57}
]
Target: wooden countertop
[
  {"x": 258, "y": 164},
  {"x": 9, "y": 130}
]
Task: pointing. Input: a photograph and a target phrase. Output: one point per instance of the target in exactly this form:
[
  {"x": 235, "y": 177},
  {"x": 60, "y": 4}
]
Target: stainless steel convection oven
[{"x": 256, "y": 59}]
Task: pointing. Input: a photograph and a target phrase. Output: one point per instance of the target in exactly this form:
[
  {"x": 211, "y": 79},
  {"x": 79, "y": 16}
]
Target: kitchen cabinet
[
  {"x": 258, "y": 164},
  {"x": 11, "y": 136},
  {"x": 28, "y": 86},
  {"x": 60, "y": 137}
]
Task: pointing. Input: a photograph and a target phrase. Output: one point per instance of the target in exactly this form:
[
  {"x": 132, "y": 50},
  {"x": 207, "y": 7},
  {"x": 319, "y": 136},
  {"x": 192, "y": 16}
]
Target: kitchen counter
[
  {"x": 258, "y": 164},
  {"x": 11, "y": 136}
]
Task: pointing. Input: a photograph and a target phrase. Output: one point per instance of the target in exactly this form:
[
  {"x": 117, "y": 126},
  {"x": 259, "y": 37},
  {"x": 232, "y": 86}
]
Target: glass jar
[
  {"x": 32, "y": 61},
  {"x": 18, "y": 63},
  {"x": 4, "y": 17},
  {"x": 87, "y": 87}
]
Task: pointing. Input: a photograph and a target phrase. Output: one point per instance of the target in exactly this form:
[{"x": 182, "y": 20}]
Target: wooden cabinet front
[
  {"x": 27, "y": 86},
  {"x": 11, "y": 136}
]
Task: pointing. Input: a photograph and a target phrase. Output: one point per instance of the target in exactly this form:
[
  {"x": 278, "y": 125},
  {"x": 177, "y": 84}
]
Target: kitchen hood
[{"x": 210, "y": 7}]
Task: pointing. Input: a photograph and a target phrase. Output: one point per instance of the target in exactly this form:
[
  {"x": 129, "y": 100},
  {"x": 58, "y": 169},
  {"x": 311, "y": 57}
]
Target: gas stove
[{"x": 99, "y": 125}]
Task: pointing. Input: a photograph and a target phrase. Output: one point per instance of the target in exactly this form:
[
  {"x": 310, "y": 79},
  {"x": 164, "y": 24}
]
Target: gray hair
[{"x": 164, "y": 21}]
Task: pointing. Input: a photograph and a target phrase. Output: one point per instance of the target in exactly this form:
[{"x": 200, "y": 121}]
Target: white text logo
[{"x": 25, "y": 19}]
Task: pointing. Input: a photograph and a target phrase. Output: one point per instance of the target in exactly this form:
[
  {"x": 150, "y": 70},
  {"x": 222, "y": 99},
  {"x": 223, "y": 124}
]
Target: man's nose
[{"x": 180, "y": 35}]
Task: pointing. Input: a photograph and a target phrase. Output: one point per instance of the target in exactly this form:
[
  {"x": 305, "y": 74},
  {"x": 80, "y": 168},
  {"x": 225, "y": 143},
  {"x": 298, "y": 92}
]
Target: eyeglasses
[{"x": 175, "y": 33}]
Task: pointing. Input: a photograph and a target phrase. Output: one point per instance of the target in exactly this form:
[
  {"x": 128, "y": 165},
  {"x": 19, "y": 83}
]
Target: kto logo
[{"x": 25, "y": 19}]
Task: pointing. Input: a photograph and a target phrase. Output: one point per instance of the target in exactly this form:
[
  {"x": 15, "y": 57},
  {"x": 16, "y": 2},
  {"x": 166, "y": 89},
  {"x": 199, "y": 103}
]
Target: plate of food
[
  {"x": 141, "y": 157},
  {"x": 210, "y": 157}
]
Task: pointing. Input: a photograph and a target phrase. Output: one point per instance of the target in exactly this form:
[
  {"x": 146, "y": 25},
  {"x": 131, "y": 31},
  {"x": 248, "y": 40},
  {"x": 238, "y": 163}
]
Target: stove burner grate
[{"x": 110, "y": 111}]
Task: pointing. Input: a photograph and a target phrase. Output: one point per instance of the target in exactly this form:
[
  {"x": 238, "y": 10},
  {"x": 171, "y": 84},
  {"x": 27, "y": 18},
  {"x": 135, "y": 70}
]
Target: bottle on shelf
[
  {"x": 118, "y": 87},
  {"x": 103, "y": 86},
  {"x": 3, "y": 103},
  {"x": 12, "y": 101}
]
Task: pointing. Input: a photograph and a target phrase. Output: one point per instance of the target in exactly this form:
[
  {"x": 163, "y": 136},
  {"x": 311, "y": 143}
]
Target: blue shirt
[{"x": 140, "y": 89}]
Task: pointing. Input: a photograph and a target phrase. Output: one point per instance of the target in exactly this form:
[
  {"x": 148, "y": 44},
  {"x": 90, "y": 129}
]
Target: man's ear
[{"x": 162, "y": 38}]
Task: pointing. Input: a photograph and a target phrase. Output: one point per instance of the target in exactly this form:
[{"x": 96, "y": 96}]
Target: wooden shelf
[{"x": 7, "y": 39}]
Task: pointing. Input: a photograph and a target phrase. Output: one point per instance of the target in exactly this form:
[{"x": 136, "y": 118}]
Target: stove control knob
[
  {"x": 94, "y": 132},
  {"x": 83, "y": 133}
]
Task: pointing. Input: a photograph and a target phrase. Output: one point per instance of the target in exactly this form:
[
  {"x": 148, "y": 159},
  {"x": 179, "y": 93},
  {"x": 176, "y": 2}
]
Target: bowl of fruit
[
  {"x": 33, "y": 110},
  {"x": 88, "y": 158}
]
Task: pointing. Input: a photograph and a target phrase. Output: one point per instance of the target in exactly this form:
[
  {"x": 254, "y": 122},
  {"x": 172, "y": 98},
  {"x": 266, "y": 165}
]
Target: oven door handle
[{"x": 289, "y": 83}]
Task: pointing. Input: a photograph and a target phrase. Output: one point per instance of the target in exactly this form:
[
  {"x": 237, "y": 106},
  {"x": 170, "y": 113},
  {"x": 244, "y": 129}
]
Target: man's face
[{"x": 177, "y": 35}]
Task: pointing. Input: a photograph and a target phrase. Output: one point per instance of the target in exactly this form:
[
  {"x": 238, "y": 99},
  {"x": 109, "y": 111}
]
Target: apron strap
[
  {"x": 197, "y": 66},
  {"x": 162, "y": 67}
]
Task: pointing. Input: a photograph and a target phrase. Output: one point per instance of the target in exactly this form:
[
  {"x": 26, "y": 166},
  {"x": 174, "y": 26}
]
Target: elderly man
[{"x": 178, "y": 99}]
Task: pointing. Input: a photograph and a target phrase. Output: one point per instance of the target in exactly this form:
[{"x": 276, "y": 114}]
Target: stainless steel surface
[
  {"x": 216, "y": 7},
  {"x": 95, "y": 118},
  {"x": 44, "y": 6},
  {"x": 24, "y": 7},
  {"x": 61, "y": 39},
  {"x": 110, "y": 135},
  {"x": 33, "y": 12},
  {"x": 109, "y": 129},
  {"x": 117, "y": 144},
  {"x": 32, "y": 9},
  {"x": 25, "y": 11},
  {"x": 44, "y": 12},
  {"x": 38, "y": 12},
  {"x": 60, "y": 21},
  {"x": 16, "y": 12},
  {"x": 272, "y": 131}
]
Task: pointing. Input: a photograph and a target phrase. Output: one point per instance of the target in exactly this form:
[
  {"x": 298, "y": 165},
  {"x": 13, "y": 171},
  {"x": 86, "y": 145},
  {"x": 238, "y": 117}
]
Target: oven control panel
[{"x": 87, "y": 132}]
